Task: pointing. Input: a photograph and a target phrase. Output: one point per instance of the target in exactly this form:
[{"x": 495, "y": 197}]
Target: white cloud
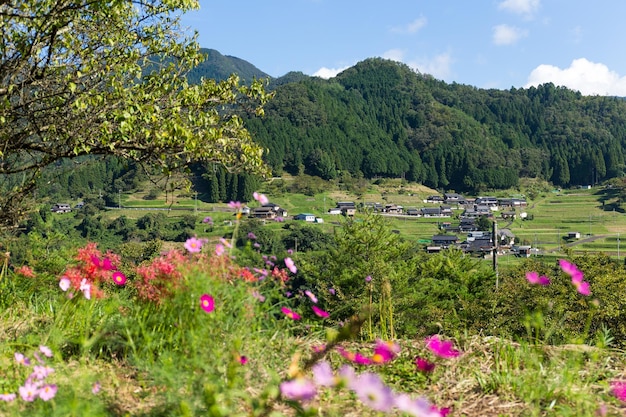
[
  {"x": 590, "y": 78},
  {"x": 412, "y": 27},
  {"x": 327, "y": 73},
  {"x": 438, "y": 66},
  {"x": 507, "y": 35},
  {"x": 394, "y": 55},
  {"x": 523, "y": 7}
]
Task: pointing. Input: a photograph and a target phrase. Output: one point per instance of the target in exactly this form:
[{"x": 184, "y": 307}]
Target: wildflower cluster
[
  {"x": 35, "y": 385},
  {"x": 158, "y": 279},
  {"x": 93, "y": 268}
]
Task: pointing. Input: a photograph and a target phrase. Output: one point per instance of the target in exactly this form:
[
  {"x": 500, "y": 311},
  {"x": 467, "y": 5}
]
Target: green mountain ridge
[{"x": 380, "y": 118}]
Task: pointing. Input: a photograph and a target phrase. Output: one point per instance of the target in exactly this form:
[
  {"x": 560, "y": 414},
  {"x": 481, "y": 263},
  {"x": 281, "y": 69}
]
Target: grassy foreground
[{"x": 191, "y": 333}]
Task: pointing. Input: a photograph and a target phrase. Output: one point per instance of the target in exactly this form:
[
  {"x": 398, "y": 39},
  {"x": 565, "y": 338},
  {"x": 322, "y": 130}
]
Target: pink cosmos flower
[
  {"x": 368, "y": 278},
  {"x": 290, "y": 313},
  {"x": 618, "y": 388},
  {"x": 194, "y": 245},
  {"x": 419, "y": 407},
  {"x": 46, "y": 351},
  {"x": 323, "y": 374},
  {"x": 21, "y": 359},
  {"x": 371, "y": 390},
  {"x": 64, "y": 283},
  {"x": 95, "y": 388},
  {"x": 261, "y": 198},
  {"x": 28, "y": 391},
  {"x": 291, "y": 265},
  {"x": 41, "y": 372},
  {"x": 208, "y": 220},
  {"x": 582, "y": 287},
  {"x": 207, "y": 303},
  {"x": 226, "y": 243},
  {"x": 311, "y": 296},
  {"x": 85, "y": 287},
  {"x": 441, "y": 348},
  {"x": 299, "y": 389},
  {"x": 235, "y": 205},
  {"x": 251, "y": 236},
  {"x": 119, "y": 278},
  {"x": 423, "y": 365},
  {"x": 534, "y": 278},
  {"x": 347, "y": 376},
  {"x": 47, "y": 392},
  {"x": 258, "y": 296},
  {"x": 8, "y": 397},
  {"x": 319, "y": 312},
  {"x": 219, "y": 249},
  {"x": 332, "y": 291}
]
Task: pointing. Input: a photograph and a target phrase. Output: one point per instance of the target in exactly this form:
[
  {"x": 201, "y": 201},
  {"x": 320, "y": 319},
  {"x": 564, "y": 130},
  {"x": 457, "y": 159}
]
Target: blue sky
[{"x": 485, "y": 43}]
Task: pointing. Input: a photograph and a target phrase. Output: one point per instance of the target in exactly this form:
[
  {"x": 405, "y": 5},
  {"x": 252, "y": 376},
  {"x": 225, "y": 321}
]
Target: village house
[
  {"x": 436, "y": 199},
  {"x": 61, "y": 208},
  {"x": 268, "y": 211},
  {"x": 307, "y": 217},
  {"x": 393, "y": 209},
  {"x": 347, "y": 208}
]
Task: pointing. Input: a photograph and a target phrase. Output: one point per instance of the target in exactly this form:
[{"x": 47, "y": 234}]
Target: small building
[
  {"x": 263, "y": 213},
  {"x": 445, "y": 241},
  {"x": 61, "y": 208},
  {"x": 508, "y": 215},
  {"x": 413, "y": 212},
  {"x": 393, "y": 209},
  {"x": 347, "y": 208},
  {"x": 436, "y": 199},
  {"x": 307, "y": 217},
  {"x": 522, "y": 251},
  {"x": 573, "y": 235},
  {"x": 334, "y": 210}
]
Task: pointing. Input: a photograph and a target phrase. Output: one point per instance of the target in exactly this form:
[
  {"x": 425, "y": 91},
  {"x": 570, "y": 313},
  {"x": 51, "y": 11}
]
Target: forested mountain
[
  {"x": 219, "y": 67},
  {"x": 382, "y": 119}
]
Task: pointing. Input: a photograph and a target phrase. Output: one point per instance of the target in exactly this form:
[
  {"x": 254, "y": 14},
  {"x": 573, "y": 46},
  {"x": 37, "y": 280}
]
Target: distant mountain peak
[{"x": 219, "y": 67}]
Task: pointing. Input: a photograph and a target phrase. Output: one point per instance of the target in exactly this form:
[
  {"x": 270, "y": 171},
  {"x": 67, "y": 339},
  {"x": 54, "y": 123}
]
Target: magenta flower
[
  {"x": 299, "y": 389},
  {"x": 251, "y": 236},
  {"x": 219, "y": 249},
  {"x": 368, "y": 278},
  {"x": 28, "y": 391},
  {"x": 332, "y": 291},
  {"x": 290, "y": 313},
  {"x": 261, "y": 198},
  {"x": 441, "y": 348},
  {"x": 119, "y": 278},
  {"x": 243, "y": 359},
  {"x": 423, "y": 365},
  {"x": 207, "y": 303},
  {"x": 8, "y": 397},
  {"x": 534, "y": 278},
  {"x": 194, "y": 245},
  {"x": 577, "y": 276},
  {"x": 571, "y": 269},
  {"x": 47, "y": 392},
  {"x": 311, "y": 296},
  {"x": 373, "y": 392},
  {"x": 46, "y": 351},
  {"x": 385, "y": 351},
  {"x": 319, "y": 312},
  {"x": 64, "y": 283},
  {"x": 208, "y": 220},
  {"x": 618, "y": 388},
  {"x": 291, "y": 265}
]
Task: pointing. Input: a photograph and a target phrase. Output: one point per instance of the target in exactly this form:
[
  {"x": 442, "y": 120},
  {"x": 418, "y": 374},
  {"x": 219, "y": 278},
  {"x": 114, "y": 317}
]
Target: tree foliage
[{"x": 108, "y": 78}]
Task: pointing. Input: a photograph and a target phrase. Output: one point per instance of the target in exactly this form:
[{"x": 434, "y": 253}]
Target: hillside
[{"x": 220, "y": 67}]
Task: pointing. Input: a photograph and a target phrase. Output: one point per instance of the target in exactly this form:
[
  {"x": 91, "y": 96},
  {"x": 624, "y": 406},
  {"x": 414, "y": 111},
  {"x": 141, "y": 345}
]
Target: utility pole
[
  {"x": 494, "y": 238},
  {"x": 119, "y": 199}
]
